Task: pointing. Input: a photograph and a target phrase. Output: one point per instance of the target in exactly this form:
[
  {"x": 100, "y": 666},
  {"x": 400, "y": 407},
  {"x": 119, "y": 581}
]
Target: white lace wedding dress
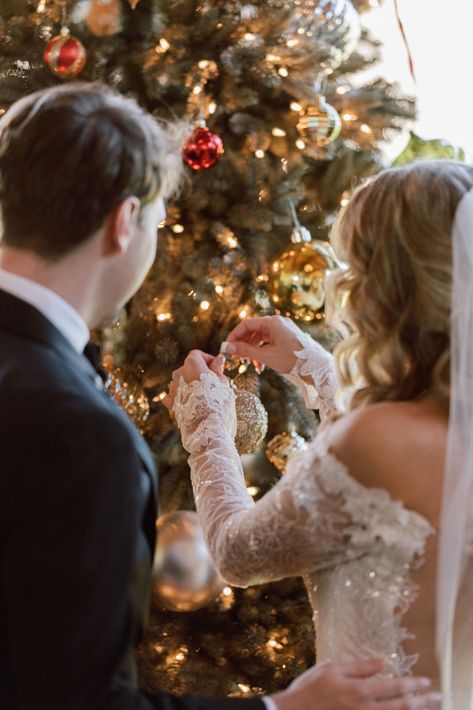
[{"x": 354, "y": 546}]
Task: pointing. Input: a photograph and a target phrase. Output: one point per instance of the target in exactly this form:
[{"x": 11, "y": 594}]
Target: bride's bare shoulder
[{"x": 399, "y": 446}]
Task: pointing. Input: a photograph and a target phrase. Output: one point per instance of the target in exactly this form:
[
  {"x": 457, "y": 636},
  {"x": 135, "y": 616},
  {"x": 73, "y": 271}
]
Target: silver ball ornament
[{"x": 184, "y": 576}]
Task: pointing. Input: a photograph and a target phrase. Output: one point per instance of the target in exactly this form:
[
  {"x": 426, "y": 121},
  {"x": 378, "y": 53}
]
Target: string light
[
  {"x": 342, "y": 90},
  {"x": 365, "y": 128},
  {"x": 219, "y": 289},
  {"x": 253, "y": 490},
  {"x": 197, "y": 90},
  {"x": 349, "y": 116},
  {"x": 259, "y": 153},
  {"x": 227, "y": 591},
  {"x": 177, "y": 228},
  {"x": 163, "y": 316},
  {"x": 294, "y": 106},
  {"x": 244, "y": 688},
  {"x": 273, "y": 58},
  {"x": 159, "y": 397},
  {"x": 243, "y": 313},
  {"x": 282, "y": 71},
  {"x": 232, "y": 242},
  {"x": 212, "y": 107},
  {"x": 292, "y": 42},
  {"x": 300, "y": 144},
  {"x": 162, "y": 46},
  {"x": 41, "y": 6},
  {"x": 278, "y": 132},
  {"x": 203, "y": 64}
]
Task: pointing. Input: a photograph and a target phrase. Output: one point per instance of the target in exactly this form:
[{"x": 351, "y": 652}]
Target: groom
[{"x": 83, "y": 176}]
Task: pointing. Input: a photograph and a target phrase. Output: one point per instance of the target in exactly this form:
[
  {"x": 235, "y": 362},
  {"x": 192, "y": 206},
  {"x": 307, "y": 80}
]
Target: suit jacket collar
[
  {"x": 25, "y": 320},
  {"x": 21, "y": 318}
]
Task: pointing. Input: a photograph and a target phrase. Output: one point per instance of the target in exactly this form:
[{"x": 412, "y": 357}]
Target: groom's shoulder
[{"x": 40, "y": 390}]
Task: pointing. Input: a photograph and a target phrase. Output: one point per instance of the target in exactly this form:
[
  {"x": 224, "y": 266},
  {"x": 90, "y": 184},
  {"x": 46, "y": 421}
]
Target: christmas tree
[{"x": 272, "y": 84}]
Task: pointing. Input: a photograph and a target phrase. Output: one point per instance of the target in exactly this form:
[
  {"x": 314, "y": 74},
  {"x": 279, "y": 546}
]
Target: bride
[{"x": 361, "y": 515}]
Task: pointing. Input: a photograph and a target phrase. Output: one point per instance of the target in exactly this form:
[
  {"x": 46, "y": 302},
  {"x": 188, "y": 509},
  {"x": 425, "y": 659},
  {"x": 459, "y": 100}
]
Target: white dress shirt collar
[{"x": 60, "y": 313}]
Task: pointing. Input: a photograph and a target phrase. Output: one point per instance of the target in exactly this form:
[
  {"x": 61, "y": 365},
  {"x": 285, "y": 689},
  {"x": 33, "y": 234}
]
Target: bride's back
[
  {"x": 394, "y": 367},
  {"x": 400, "y": 447}
]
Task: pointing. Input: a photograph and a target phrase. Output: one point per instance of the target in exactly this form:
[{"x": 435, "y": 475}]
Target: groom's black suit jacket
[{"x": 77, "y": 531}]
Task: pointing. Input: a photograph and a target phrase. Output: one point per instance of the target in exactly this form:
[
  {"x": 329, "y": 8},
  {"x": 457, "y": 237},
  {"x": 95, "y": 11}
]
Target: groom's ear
[{"x": 120, "y": 227}]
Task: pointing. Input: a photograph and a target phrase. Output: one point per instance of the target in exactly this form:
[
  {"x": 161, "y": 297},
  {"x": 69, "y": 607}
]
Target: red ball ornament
[
  {"x": 65, "y": 55},
  {"x": 203, "y": 149}
]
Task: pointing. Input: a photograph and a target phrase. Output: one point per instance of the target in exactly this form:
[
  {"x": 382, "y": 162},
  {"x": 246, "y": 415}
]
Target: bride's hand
[
  {"x": 269, "y": 340},
  {"x": 196, "y": 364}
]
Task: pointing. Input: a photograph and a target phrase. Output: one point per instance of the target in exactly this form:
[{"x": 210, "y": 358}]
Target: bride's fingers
[
  {"x": 428, "y": 701},
  {"x": 250, "y": 328},
  {"x": 217, "y": 365},
  {"x": 361, "y": 669},
  {"x": 384, "y": 688},
  {"x": 168, "y": 401},
  {"x": 242, "y": 350},
  {"x": 200, "y": 355}
]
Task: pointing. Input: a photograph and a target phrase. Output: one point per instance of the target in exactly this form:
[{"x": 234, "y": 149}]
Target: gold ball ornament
[
  {"x": 104, "y": 18},
  {"x": 283, "y": 447},
  {"x": 184, "y": 576},
  {"x": 124, "y": 387},
  {"x": 320, "y": 125},
  {"x": 65, "y": 55},
  {"x": 297, "y": 278},
  {"x": 252, "y": 421}
]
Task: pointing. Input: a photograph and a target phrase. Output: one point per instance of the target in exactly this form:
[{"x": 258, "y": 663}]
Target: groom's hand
[
  {"x": 353, "y": 686},
  {"x": 195, "y": 364}
]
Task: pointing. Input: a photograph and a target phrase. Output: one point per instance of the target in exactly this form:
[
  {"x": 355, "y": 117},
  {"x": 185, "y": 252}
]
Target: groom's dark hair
[{"x": 68, "y": 156}]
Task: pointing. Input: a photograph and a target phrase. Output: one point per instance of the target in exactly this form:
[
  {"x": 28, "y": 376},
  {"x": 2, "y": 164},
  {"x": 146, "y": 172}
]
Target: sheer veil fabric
[{"x": 455, "y": 559}]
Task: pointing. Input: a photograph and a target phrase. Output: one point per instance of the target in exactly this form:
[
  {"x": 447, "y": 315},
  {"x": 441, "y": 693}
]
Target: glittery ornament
[
  {"x": 252, "y": 422},
  {"x": 104, "y": 18},
  {"x": 333, "y": 25},
  {"x": 124, "y": 387},
  {"x": 203, "y": 149},
  {"x": 280, "y": 449},
  {"x": 184, "y": 577},
  {"x": 297, "y": 278},
  {"x": 320, "y": 125},
  {"x": 65, "y": 55}
]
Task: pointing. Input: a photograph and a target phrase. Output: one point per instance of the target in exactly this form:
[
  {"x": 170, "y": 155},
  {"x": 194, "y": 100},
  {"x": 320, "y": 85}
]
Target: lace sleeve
[
  {"x": 314, "y": 376},
  {"x": 315, "y": 517}
]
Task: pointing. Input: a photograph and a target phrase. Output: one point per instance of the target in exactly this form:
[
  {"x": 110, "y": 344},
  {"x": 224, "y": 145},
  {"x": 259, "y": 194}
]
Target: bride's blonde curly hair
[{"x": 395, "y": 235}]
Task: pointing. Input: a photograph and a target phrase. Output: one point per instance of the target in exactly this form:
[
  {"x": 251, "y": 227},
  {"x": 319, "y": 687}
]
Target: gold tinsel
[{"x": 126, "y": 389}]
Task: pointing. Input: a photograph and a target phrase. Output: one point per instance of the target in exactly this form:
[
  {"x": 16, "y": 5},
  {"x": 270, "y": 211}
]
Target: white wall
[{"x": 440, "y": 34}]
